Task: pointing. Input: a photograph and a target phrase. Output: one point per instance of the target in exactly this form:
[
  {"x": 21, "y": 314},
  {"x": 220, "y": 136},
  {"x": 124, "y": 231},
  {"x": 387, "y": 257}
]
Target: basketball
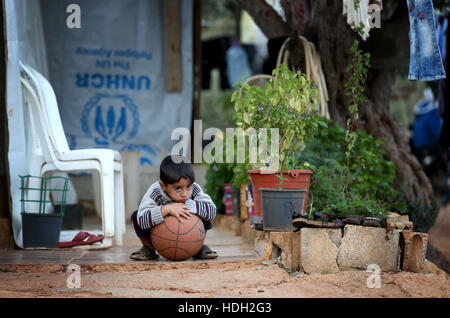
[{"x": 178, "y": 241}]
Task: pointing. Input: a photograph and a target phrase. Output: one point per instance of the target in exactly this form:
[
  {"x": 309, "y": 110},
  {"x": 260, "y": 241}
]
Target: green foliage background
[{"x": 370, "y": 191}]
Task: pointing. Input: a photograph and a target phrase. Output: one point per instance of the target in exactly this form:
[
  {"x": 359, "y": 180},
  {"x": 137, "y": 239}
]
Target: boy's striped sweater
[{"x": 149, "y": 213}]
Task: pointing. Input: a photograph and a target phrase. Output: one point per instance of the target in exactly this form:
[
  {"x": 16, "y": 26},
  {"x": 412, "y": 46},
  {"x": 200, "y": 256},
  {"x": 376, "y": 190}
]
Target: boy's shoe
[
  {"x": 144, "y": 254},
  {"x": 205, "y": 253}
]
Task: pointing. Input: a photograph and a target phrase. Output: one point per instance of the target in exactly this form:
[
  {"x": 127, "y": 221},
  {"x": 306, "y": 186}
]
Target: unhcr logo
[{"x": 107, "y": 118}]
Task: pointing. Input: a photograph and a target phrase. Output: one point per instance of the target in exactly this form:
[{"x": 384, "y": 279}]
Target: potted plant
[{"x": 285, "y": 103}]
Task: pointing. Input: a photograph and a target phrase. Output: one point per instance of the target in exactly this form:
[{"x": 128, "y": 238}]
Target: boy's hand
[{"x": 178, "y": 210}]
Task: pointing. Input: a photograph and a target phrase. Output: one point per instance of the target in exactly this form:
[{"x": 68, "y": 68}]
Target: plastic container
[
  {"x": 296, "y": 179},
  {"x": 279, "y": 206},
  {"x": 41, "y": 227},
  {"x": 41, "y": 230}
]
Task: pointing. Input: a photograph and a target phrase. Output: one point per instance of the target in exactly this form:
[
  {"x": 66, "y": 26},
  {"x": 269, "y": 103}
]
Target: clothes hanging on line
[
  {"x": 427, "y": 124},
  {"x": 425, "y": 57},
  {"x": 237, "y": 63},
  {"x": 213, "y": 56},
  {"x": 442, "y": 32}
]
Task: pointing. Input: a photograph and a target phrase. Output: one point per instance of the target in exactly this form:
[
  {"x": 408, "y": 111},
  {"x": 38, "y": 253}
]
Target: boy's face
[{"x": 179, "y": 191}]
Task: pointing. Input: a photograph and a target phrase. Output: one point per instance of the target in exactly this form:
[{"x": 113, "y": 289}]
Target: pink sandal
[{"x": 82, "y": 238}]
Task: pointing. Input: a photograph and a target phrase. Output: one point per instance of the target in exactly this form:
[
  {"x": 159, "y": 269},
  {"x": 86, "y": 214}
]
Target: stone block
[
  {"x": 397, "y": 221},
  {"x": 281, "y": 247},
  {"x": 285, "y": 242},
  {"x": 414, "y": 250},
  {"x": 318, "y": 250},
  {"x": 362, "y": 246},
  {"x": 431, "y": 268},
  {"x": 264, "y": 248}
]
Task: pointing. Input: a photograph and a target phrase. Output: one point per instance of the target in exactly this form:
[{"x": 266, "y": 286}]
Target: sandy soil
[
  {"x": 210, "y": 279},
  {"x": 231, "y": 278}
]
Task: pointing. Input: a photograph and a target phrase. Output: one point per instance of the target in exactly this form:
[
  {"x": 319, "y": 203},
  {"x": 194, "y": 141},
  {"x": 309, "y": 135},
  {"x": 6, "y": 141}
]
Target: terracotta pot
[{"x": 297, "y": 179}]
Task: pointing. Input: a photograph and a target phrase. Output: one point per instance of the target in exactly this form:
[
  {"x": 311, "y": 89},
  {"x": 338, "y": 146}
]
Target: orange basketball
[{"x": 178, "y": 241}]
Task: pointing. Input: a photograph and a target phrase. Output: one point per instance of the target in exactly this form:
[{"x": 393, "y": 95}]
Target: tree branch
[{"x": 267, "y": 19}]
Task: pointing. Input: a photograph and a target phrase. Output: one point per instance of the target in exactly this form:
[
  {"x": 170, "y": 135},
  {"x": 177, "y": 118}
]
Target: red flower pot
[{"x": 296, "y": 179}]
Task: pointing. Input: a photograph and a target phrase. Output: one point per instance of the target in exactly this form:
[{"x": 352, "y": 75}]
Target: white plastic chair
[{"x": 51, "y": 152}]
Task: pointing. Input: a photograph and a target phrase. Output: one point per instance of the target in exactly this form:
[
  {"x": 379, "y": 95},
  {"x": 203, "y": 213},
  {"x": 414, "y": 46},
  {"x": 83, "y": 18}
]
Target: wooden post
[{"x": 172, "y": 27}]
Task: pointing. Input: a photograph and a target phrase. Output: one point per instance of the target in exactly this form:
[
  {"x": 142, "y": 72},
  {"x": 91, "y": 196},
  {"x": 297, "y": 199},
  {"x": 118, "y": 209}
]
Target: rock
[
  {"x": 286, "y": 241},
  {"x": 283, "y": 247},
  {"x": 362, "y": 246},
  {"x": 397, "y": 221},
  {"x": 430, "y": 268},
  {"x": 400, "y": 225},
  {"x": 318, "y": 250},
  {"x": 263, "y": 245},
  {"x": 414, "y": 249}
]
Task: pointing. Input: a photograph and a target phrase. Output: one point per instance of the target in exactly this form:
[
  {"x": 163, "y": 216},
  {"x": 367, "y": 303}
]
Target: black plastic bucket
[
  {"x": 41, "y": 230},
  {"x": 279, "y": 206}
]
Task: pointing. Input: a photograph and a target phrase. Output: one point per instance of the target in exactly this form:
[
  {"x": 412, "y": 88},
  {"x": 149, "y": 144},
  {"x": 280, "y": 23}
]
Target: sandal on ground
[
  {"x": 144, "y": 254},
  {"x": 304, "y": 222},
  {"x": 205, "y": 253},
  {"x": 82, "y": 238}
]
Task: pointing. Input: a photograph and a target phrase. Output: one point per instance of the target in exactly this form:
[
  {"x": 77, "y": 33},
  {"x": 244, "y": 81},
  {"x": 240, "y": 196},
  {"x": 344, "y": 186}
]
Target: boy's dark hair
[{"x": 173, "y": 168}]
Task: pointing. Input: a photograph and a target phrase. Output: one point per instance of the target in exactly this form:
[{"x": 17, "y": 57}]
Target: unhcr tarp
[{"x": 108, "y": 76}]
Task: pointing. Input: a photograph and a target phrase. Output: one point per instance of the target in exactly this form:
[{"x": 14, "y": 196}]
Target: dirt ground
[
  {"x": 222, "y": 279},
  {"x": 210, "y": 279}
]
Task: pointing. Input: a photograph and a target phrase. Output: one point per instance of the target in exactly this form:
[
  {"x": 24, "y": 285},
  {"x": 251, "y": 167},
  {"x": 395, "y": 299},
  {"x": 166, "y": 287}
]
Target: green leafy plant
[
  {"x": 370, "y": 190},
  {"x": 355, "y": 87},
  {"x": 240, "y": 175},
  {"x": 286, "y": 103}
]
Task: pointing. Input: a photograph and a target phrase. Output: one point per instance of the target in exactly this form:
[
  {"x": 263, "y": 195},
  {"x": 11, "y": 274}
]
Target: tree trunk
[{"x": 334, "y": 39}]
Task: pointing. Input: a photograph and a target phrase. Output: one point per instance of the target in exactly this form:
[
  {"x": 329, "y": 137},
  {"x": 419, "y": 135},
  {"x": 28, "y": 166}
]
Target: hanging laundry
[
  {"x": 237, "y": 63},
  {"x": 425, "y": 61},
  {"x": 442, "y": 31},
  {"x": 427, "y": 124},
  {"x": 213, "y": 56}
]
